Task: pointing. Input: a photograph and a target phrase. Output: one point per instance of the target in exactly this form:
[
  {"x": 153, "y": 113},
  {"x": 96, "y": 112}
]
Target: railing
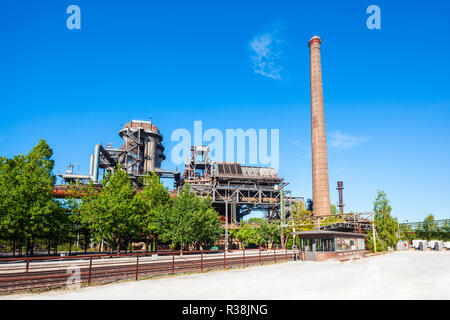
[
  {"x": 41, "y": 273},
  {"x": 415, "y": 225}
]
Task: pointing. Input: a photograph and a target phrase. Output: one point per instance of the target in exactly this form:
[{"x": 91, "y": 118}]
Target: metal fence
[{"x": 43, "y": 273}]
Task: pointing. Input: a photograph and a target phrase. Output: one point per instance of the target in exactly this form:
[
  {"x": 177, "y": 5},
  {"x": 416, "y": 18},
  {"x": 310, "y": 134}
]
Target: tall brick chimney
[{"x": 321, "y": 188}]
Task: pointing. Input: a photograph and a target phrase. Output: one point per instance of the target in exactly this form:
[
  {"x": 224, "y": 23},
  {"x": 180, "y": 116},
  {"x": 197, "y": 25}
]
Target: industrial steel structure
[
  {"x": 236, "y": 189},
  {"x": 350, "y": 222},
  {"x": 142, "y": 152},
  {"x": 347, "y": 222},
  {"x": 413, "y": 226}
]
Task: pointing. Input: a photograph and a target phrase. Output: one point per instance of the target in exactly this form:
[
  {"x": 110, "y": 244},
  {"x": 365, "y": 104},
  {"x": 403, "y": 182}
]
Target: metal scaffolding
[
  {"x": 242, "y": 188},
  {"x": 142, "y": 152}
]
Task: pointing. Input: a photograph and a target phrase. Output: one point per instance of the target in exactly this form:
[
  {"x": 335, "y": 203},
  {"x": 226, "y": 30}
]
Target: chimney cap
[{"x": 314, "y": 39}]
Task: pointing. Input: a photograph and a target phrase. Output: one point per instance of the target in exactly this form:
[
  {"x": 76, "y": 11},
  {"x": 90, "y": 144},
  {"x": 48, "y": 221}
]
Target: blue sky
[{"x": 387, "y": 97}]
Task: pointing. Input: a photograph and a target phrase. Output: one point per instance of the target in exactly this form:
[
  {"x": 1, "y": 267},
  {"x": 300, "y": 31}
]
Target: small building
[
  {"x": 403, "y": 245},
  {"x": 416, "y": 243},
  {"x": 319, "y": 245}
]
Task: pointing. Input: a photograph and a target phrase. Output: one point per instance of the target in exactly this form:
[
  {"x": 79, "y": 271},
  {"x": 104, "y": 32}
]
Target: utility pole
[
  {"x": 293, "y": 234},
  {"x": 226, "y": 225},
  {"x": 373, "y": 233},
  {"x": 282, "y": 217}
]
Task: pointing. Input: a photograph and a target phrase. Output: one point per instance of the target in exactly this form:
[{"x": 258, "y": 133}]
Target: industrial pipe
[
  {"x": 91, "y": 167},
  {"x": 340, "y": 187},
  {"x": 96, "y": 163}
]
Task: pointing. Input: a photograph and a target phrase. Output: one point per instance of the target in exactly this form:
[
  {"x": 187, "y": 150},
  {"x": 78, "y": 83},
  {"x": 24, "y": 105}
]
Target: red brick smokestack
[{"x": 321, "y": 188}]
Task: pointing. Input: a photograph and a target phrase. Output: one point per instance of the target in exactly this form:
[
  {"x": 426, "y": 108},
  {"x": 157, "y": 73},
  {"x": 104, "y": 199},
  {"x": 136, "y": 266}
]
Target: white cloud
[
  {"x": 341, "y": 140},
  {"x": 265, "y": 50}
]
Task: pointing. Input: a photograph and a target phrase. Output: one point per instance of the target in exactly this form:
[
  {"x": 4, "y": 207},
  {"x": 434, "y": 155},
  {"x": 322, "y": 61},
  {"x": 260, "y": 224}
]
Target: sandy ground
[{"x": 397, "y": 275}]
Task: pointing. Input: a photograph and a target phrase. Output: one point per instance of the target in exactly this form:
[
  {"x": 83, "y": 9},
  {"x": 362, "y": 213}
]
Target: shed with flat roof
[{"x": 319, "y": 245}]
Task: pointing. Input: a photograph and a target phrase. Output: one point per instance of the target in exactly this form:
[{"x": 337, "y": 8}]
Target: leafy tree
[
  {"x": 302, "y": 217},
  {"x": 9, "y": 220},
  {"x": 387, "y": 229},
  {"x": 334, "y": 210},
  {"x": 112, "y": 213},
  {"x": 247, "y": 234},
  {"x": 189, "y": 220},
  {"x": 330, "y": 220},
  {"x": 27, "y": 208},
  {"x": 269, "y": 233},
  {"x": 257, "y": 231},
  {"x": 406, "y": 233},
  {"x": 428, "y": 229},
  {"x": 76, "y": 226},
  {"x": 58, "y": 228},
  {"x": 79, "y": 220},
  {"x": 445, "y": 231},
  {"x": 153, "y": 198}
]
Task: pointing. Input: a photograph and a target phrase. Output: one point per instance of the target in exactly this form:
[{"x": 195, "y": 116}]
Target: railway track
[{"x": 39, "y": 274}]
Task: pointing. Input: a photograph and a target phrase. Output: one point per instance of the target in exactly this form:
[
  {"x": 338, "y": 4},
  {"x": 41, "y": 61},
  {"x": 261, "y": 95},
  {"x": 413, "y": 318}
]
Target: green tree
[
  {"x": 77, "y": 228},
  {"x": 445, "y": 231},
  {"x": 301, "y": 216},
  {"x": 153, "y": 198},
  {"x": 406, "y": 233},
  {"x": 189, "y": 220},
  {"x": 428, "y": 229},
  {"x": 334, "y": 210},
  {"x": 27, "y": 208},
  {"x": 113, "y": 213},
  {"x": 9, "y": 220},
  {"x": 76, "y": 207},
  {"x": 247, "y": 234},
  {"x": 387, "y": 228},
  {"x": 257, "y": 231},
  {"x": 302, "y": 219},
  {"x": 269, "y": 233}
]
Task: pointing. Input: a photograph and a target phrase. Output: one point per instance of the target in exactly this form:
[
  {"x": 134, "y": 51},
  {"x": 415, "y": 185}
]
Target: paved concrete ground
[{"x": 397, "y": 275}]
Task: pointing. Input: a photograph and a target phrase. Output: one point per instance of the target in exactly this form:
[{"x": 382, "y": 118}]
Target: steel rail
[{"x": 96, "y": 270}]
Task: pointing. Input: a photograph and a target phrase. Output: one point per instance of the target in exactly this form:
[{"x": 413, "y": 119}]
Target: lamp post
[
  {"x": 282, "y": 217},
  {"x": 373, "y": 233},
  {"x": 226, "y": 225}
]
